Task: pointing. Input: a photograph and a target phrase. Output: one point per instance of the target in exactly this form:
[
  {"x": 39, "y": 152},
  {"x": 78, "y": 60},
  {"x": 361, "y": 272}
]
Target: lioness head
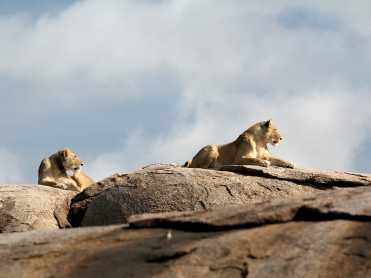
[
  {"x": 69, "y": 160},
  {"x": 271, "y": 134}
]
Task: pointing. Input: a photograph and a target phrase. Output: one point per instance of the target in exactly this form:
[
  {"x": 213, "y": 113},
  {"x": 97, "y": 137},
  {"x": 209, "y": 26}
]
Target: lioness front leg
[
  {"x": 53, "y": 183},
  {"x": 280, "y": 162},
  {"x": 247, "y": 160},
  {"x": 70, "y": 183}
]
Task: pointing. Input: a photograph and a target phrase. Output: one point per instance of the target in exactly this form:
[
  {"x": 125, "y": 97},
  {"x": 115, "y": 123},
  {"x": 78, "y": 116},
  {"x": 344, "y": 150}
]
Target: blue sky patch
[
  {"x": 302, "y": 18},
  {"x": 34, "y": 8}
]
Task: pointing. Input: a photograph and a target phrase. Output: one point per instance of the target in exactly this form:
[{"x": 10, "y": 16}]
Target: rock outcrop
[
  {"x": 304, "y": 175},
  {"x": 170, "y": 187},
  {"x": 33, "y": 207},
  {"x": 160, "y": 188},
  {"x": 325, "y": 234},
  {"x": 82, "y": 201},
  {"x": 164, "y": 187},
  {"x": 350, "y": 204}
]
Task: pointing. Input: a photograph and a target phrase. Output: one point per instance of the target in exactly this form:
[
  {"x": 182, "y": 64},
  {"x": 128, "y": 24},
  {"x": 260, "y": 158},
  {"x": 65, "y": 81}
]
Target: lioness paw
[
  {"x": 63, "y": 186},
  {"x": 291, "y": 165},
  {"x": 266, "y": 163}
]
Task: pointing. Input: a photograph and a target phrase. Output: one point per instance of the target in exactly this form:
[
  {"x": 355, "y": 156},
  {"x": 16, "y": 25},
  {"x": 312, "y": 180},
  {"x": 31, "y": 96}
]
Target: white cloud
[
  {"x": 320, "y": 130},
  {"x": 10, "y": 164},
  {"x": 217, "y": 66},
  {"x": 211, "y": 46}
]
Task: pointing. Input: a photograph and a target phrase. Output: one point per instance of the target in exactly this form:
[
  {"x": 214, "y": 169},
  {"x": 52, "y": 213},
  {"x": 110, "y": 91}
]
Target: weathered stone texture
[
  {"x": 333, "y": 240},
  {"x": 170, "y": 187},
  {"x": 33, "y": 207}
]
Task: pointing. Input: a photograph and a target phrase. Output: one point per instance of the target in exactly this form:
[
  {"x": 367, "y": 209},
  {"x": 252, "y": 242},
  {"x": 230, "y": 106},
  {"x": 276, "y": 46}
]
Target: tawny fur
[
  {"x": 50, "y": 173},
  {"x": 250, "y": 148}
]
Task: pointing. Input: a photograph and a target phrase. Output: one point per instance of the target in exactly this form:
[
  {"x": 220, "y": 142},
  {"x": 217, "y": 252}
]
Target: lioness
[
  {"x": 250, "y": 148},
  {"x": 52, "y": 171}
]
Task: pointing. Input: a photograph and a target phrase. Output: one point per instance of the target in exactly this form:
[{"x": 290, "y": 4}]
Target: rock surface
[
  {"x": 33, "y": 207},
  {"x": 170, "y": 187},
  {"x": 304, "y": 175},
  {"x": 81, "y": 201},
  {"x": 318, "y": 235},
  {"x": 160, "y": 188},
  {"x": 352, "y": 204}
]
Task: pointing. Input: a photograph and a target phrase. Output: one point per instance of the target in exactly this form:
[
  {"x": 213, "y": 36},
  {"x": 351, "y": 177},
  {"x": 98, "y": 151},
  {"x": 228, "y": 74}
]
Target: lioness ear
[
  {"x": 66, "y": 152},
  {"x": 268, "y": 123}
]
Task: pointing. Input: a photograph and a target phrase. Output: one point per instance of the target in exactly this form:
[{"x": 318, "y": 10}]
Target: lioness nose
[
  {"x": 82, "y": 164},
  {"x": 280, "y": 138}
]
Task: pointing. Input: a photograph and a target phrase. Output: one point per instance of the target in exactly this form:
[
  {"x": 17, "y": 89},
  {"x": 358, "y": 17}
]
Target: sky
[{"x": 126, "y": 83}]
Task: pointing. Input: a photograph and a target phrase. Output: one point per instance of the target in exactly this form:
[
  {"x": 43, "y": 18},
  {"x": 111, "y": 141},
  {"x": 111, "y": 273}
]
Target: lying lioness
[
  {"x": 52, "y": 171},
  {"x": 250, "y": 148}
]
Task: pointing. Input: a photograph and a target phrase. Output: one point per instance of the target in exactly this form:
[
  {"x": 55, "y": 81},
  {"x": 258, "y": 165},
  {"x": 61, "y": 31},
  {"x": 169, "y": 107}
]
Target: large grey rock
[
  {"x": 170, "y": 187},
  {"x": 33, "y": 207},
  {"x": 81, "y": 202},
  {"x": 319, "y": 235}
]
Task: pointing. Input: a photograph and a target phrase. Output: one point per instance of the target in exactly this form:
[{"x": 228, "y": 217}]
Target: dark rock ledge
[{"x": 324, "y": 234}]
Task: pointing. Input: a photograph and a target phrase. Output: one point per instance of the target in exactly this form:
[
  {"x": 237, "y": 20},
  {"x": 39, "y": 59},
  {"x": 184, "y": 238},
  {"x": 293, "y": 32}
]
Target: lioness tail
[{"x": 188, "y": 163}]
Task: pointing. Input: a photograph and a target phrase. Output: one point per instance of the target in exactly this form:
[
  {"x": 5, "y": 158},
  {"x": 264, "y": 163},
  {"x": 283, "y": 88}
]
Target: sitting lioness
[
  {"x": 52, "y": 171},
  {"x": 250, "y": 148}
]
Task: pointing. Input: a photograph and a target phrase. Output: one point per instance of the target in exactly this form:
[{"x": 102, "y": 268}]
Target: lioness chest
[
  {"x": 251, "y": 149},
  {"x": 262, "y": 153}
]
